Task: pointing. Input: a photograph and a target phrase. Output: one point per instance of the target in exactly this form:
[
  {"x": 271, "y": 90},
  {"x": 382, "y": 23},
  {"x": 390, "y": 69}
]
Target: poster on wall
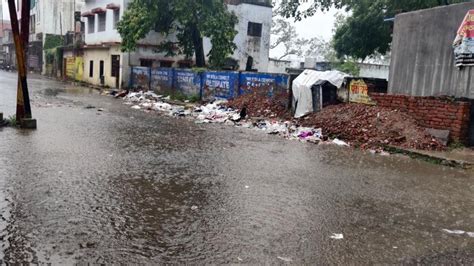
[
  {"x": 464, "y": 42},
  {"x": 359, "y": 92}
]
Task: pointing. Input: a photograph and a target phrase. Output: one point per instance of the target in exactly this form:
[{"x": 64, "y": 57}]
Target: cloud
[{"x": 320, "y": 25}]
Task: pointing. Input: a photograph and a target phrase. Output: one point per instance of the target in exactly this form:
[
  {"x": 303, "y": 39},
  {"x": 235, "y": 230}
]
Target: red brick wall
[{"x": 431, "y": 112}]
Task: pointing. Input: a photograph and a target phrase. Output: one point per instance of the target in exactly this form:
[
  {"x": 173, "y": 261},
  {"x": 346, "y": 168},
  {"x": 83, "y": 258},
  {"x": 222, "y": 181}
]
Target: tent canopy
[{"x": 302, "y": 94}]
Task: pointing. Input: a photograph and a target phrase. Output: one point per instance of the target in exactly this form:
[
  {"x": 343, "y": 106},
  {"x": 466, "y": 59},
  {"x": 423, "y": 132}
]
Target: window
[
  {"x": 102, "y": 20},
  {"x": 146, "y": 62},
  {"x": 91, "y": 24},
  {"x": 184, "y": 64},
  {"x": 254, "y": 29},
  {"x": 115, "y": 65},
  {"x": 32, "y": 24},
  {"x": 91, "y": 69},
  {"x": 166, "y": 63},
  {"x": 116, "y": 17}
]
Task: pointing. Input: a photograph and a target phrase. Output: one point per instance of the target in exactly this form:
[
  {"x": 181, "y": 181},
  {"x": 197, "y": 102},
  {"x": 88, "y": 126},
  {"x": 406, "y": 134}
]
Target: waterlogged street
[{"x": 125, "y": 186}]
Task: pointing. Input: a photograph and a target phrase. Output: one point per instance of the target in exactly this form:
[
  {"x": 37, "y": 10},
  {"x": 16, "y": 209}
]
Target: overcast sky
[
  {"x": 320, "y": 25},
  {"x": 4, "y": 7}
]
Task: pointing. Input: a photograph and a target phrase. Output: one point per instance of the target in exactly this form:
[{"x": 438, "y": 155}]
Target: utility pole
[
  {"x": 74, "y": 40},
  {"x": 21, "y": 42}
]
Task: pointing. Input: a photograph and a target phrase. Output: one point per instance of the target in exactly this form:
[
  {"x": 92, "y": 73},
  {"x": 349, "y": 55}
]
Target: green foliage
[
  {"x": 50, "y": 55},
  {"x": 11, "y": 121},
  {"x": 349, "y": 66},
  {"x": 52, "y": 41},
  {"x": 364, "y": 32},
  {"x": 199, "y": 69},
  {"x": 455, "y": 145},
  {"x": 179, "y": 96},
  {"x": 184, "y": 24}
]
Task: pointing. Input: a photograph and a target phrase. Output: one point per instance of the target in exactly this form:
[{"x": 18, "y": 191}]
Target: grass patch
[
  {"x": 179, "y": 96},
  {"x": 455, "y": 145},
  {"x": 11, "y": 121}
]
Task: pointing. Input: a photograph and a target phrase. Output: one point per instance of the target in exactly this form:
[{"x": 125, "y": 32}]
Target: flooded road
[{"x": 124, "y": 186}]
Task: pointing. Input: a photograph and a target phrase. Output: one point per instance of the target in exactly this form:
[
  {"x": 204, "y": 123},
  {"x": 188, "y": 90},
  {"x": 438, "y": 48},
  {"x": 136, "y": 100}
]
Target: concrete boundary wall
[
  {"x": 207, "y": 85},
  {"x": 422, "y": 61}
]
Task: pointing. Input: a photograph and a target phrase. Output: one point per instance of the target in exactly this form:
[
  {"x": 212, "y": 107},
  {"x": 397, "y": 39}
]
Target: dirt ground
[{"x": 367, "y": 127}]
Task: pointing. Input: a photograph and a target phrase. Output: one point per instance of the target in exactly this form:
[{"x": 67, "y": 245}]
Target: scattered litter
[
  {"x": 381, "y": 152},
  {"x": 239, "y": 259},
  {"x": 194, "y": 208},
  {"x": 100, "y": 109},
  {"x": 337, "y": 236},
  {"x": 454, "y": 232},
  {"x": 285, "y": 259},
  {"x": 340, "y": 142},
  {"x": 221, "y": 112},
  {"x": 121, "y": 94},
  {"x": 247, "y": 187},
  {"x": 458, "y": 232},
  {"x": 89, "y": 107}
]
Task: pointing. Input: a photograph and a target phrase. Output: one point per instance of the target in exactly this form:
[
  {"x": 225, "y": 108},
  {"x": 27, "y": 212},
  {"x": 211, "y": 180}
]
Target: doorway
[
  {"x": 115, "y": 70},
  {"x": 101, "y": 73}
]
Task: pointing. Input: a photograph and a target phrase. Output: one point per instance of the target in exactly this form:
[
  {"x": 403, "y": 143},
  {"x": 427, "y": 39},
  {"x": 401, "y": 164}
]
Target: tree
[
  {"x": 184, "y": 24},
  {"x": 284, "y": 34},
  {"x": 364, "y": 32}
]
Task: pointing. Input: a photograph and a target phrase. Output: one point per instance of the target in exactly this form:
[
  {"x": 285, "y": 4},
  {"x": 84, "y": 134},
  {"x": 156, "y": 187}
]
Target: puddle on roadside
[{"x": 53, "y": 91}]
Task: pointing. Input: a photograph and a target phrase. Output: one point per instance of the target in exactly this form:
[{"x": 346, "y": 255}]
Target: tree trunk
[{"x": 198, "y": 47}]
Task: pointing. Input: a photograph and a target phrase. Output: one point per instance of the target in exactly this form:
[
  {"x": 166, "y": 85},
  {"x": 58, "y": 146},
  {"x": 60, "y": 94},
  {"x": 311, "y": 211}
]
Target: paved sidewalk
[{"x": 459, "y": 158}]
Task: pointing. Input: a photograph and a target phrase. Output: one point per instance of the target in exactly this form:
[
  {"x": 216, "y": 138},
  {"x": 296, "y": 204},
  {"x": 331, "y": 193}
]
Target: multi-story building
[
  {"x": 48, "y": 18},
  {"x": 5, "y": 39},
  {"x": 105, "y": 64}
]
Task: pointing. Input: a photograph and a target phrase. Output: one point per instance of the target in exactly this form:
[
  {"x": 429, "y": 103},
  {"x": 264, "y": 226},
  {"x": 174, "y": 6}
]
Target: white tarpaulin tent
[{"x": 302, "y": 94}]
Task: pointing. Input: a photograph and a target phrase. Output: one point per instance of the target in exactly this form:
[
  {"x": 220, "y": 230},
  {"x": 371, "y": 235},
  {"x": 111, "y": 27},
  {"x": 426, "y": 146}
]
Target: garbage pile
[
  {"x": 368, "y": 127},
  {"x": 220, "y": 112},
  {"x": 372, "y": 127}
]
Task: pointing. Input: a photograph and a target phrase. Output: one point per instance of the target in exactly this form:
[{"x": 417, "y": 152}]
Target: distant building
[
  {"x": 278, "y": 66},
  {"x": 105, "y": 64},
  {"x": 6, "y": 37},
  {"x": 377, "y": 71},
  {"x": 49, "y": 18}
]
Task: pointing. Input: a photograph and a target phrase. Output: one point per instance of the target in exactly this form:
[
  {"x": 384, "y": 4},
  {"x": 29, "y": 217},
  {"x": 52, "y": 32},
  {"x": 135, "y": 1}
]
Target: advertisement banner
[
  {"x": 464, "y": 42},
  {"x": 359, "y": 92},
  {"x": 75, "y": 68}
]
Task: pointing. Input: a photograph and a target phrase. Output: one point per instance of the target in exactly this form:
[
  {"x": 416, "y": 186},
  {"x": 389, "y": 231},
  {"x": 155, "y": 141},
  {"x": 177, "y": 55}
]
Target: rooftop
[{"x": 251, "y": 2}]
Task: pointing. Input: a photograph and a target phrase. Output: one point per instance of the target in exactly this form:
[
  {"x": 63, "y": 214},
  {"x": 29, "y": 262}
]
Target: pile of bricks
[{"x": 432, "y": 112}]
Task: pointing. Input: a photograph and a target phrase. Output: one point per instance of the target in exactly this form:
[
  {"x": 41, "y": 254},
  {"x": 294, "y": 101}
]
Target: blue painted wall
[
  {"x": 140, "y": 78},
  {"x": 220, "y": 85},
  {"x": 272, "y": 83},
  {"x": 162, "y": 80},
  {"x": 187, "y": 82},
  {"x": 207, "y": 85}
]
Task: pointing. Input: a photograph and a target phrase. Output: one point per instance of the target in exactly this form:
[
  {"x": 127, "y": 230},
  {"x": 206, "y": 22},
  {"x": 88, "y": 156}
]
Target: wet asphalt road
[{"x": 124, "y": 186}]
